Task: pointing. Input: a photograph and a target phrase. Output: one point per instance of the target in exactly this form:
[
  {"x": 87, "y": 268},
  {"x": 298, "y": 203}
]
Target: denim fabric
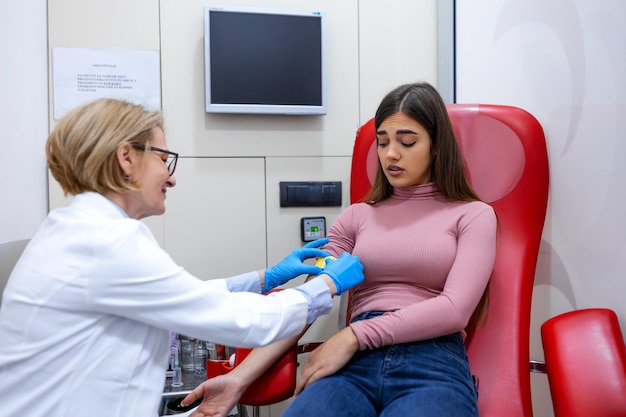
[{"x": 427, "y": 378}]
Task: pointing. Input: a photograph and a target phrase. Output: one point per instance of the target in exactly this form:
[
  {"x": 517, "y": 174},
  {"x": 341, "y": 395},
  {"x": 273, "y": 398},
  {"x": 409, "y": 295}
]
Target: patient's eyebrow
[
  {"x": 398, "y": 132},
  {"x": 405, "y": 132}
]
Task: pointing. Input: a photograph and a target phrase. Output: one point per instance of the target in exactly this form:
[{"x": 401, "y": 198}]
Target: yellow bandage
[{"x": 321, "y": 262}]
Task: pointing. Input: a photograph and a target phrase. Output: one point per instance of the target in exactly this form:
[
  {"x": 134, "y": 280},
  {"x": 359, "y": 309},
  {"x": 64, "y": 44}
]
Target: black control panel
[{"x": 310, "y": 193}]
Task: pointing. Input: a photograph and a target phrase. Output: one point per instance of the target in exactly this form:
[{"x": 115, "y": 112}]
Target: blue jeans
[{"x": 427, "y": 378}]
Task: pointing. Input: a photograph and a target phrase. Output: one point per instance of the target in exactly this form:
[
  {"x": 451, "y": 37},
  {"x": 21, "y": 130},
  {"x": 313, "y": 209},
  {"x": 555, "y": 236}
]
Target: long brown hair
[{"x": 422, "y": 102}]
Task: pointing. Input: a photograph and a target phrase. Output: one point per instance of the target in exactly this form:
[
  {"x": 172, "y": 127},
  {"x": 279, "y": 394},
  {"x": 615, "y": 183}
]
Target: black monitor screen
[{"x": 264, "y": 62}]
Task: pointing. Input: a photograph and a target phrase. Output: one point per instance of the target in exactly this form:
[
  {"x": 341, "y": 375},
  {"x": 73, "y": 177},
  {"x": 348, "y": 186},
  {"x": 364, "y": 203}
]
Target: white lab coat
[{"x": 88, "y": 309}]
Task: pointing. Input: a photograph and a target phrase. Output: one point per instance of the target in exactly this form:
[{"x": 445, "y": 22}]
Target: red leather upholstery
[
  {"x": 277, "y": 384},
  {"x": 505, "y": 153},
  {"x": 586, "y": 363}
]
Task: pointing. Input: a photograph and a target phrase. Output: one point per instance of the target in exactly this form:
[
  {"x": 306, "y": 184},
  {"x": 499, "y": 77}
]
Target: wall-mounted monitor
[{"x": 264, "y": 61}]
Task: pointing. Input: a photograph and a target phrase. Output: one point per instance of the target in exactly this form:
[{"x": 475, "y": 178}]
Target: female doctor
[{"x": 88, "y": 309}]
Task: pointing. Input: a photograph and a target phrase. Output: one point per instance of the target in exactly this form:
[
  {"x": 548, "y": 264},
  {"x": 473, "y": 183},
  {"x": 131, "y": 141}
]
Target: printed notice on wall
[{"x": 81, "y": 75}]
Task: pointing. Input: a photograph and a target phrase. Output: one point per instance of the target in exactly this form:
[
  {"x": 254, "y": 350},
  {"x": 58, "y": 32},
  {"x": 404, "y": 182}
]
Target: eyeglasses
[{"x": 172, "y": 157}]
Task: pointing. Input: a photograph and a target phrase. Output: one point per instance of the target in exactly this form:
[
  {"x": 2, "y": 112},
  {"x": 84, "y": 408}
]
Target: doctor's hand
[
  {"x": 220, "y": 393},
  {"x": 345, "y": 271},
  {"x": 293, "y": 265}
]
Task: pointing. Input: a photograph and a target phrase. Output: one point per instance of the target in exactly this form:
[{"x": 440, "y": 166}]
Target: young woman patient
[{"x": 427, "y": 245}]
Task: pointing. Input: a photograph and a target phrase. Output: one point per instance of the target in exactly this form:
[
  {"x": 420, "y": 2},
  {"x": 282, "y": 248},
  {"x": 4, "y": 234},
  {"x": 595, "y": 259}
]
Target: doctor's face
[{"x": 154, "y": 177}]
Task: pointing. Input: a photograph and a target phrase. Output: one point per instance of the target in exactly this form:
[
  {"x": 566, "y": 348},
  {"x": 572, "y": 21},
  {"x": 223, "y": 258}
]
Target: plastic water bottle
[
  {"x": 199, "y": 357},
  {"x": 187, "y": 351}
]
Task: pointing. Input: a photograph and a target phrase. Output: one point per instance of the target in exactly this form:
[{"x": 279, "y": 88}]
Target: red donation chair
[
  {"x": 505, "y": 155},
  {"x": 585, "y": 360}
]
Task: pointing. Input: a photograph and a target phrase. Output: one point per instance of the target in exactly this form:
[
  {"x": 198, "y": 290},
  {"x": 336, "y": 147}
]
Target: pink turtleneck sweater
[{"x": 426, "y": 261}]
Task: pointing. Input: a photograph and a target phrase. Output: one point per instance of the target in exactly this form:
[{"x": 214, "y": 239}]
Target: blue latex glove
[
  {"x": 346, "y": 272},
  {"x": 293, "y": 265}
]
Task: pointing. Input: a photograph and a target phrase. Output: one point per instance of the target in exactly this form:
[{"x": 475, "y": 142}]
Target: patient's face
[{"x": 404, "y": 150}]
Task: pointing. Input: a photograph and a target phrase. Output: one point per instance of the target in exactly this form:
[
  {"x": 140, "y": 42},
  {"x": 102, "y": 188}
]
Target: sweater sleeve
[
  {"x": 342, "y": 234},
  {"x": 450, "y": 310}
]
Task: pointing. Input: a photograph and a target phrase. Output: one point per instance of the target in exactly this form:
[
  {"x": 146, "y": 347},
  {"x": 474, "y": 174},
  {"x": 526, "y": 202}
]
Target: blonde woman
[{"x": 87, "y": 312}]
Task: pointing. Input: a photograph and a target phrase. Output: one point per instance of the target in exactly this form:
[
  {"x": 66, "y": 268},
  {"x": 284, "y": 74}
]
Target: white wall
[
  {"x": 565, "y": 62},
  {"x": 23, "y": 126}
]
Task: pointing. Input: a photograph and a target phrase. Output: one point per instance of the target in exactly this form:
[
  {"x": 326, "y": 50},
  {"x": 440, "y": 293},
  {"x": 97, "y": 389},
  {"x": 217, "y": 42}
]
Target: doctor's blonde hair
[{"x": 81, "y": 149}]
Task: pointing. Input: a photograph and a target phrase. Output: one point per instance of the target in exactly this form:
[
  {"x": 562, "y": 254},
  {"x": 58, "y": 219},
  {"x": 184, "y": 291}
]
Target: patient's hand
[
  {"x": 327, "y": 359},
  {"x": 220, "y": 393}
]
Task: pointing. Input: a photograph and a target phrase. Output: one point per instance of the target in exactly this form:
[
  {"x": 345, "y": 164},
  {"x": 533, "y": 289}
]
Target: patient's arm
[
  {"x": 223, "y": 392},
  {"x": 327, "y": 359}
]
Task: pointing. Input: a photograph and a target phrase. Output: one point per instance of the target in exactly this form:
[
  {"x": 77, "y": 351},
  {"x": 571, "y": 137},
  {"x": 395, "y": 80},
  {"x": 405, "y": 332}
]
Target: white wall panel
[
  {"x": 214, "y": 225},
  {"x": 398, "y": 44},
  {"x": 23, "y": 119},
  {"x": 96, "y": 24}
]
